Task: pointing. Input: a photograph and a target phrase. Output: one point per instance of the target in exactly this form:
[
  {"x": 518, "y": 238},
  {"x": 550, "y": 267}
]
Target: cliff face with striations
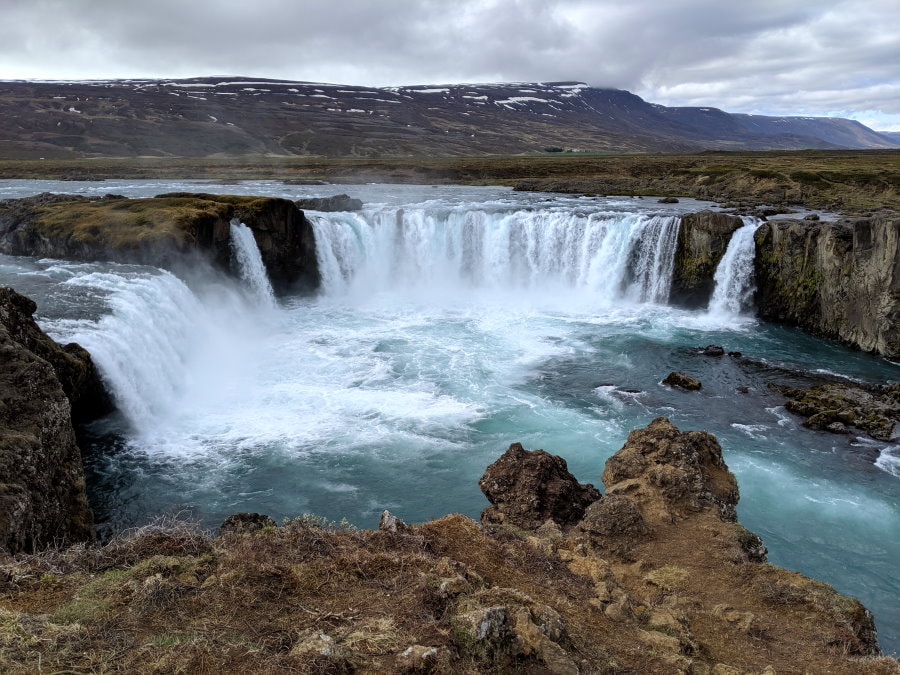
[
  {"x": 654, "y": 577},
  {"x": 42, "y": 490},
  {"x": 163, "y": 231},
  {"x": 837, "y": 280},
  {"x": 702, "y": 240}
]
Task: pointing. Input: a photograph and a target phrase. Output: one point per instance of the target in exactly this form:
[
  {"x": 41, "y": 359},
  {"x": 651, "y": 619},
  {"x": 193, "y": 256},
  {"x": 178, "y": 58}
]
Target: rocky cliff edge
[{"x": 656, "y": 576}]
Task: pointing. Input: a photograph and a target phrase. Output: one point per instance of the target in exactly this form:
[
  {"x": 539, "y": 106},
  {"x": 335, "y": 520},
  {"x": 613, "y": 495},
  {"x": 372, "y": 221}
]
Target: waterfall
[
  {"x": 734, "y": 275},
  {"x": 162, "y": 347},
  {"x": 605, "y": 255},
  {"x": 250, "y": 263}
]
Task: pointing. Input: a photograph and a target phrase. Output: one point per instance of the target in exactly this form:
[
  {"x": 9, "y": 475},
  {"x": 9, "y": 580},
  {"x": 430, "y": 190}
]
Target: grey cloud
[{"x": 778, "y": 56}]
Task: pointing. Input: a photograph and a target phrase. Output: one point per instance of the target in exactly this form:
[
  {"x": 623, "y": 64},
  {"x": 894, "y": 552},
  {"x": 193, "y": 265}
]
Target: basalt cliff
[
  {"x": 43, "y": 388},
  {"x": 654, "y": 576},
  {"x": 838, "y": 280}
]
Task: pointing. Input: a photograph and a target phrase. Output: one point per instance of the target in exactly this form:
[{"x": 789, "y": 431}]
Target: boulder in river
[{"x": 682, "y": 381}]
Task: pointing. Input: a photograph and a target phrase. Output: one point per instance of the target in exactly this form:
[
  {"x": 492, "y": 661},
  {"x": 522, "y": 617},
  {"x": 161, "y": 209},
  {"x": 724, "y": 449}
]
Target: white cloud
[{"x": 764, "y": 56}]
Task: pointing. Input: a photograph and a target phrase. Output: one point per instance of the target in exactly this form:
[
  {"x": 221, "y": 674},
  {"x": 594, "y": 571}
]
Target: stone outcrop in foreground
[
  {"x": 653, "y": 577},
  {"x": 42, "y": 384},
  {"x": 165, "y": 231},
  {"x": 837, "y": 280}
]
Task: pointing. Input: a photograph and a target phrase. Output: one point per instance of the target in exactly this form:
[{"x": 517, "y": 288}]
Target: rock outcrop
[
  {"x": 672, "y": 474},
  {"x": 164, "y": 231},
  {"x": 682, "y": 381},
  {"x": 837, "y": 280},
  {"x": 836, "y": 408},
  {"x": 702, "y": 240},
  {"x": 654, "y": 578},
  {"x": 42, "y": 489},
  {"x": 341, "y": 202},
  {"x": 526, "y": 488}
]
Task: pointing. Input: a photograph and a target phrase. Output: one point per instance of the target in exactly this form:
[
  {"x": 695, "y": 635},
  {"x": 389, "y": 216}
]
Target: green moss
[
  {"x": 92, "y": 600},
  {"x": 125, "y": 223}
]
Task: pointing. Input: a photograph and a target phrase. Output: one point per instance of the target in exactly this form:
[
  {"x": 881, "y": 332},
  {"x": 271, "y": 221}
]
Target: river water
[{"x": 452, "y": 322}]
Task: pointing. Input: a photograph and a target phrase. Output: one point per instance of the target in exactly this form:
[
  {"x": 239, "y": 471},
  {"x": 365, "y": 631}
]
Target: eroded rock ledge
[
  {"x": 654, "y": 577},
  {"x": 163, "y": 231}
]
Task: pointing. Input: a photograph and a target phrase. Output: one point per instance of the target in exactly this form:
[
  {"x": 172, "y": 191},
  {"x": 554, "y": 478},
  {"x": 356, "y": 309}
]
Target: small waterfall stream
[
  {"x": 250, "y": 263},
  {"x": 734, "y": 275}
]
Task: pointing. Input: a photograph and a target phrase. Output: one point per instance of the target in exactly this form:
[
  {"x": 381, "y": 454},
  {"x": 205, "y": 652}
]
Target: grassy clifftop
[{"x": 840, "y": 179}]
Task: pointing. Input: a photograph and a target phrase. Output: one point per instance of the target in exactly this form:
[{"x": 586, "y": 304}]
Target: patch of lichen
[{"x": 127, "y": 223}]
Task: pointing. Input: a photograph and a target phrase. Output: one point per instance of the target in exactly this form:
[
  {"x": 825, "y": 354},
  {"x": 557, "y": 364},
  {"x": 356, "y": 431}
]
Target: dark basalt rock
[
  {"x": 614, "y": 516},
  {"x": 702, "y": 241},
  {"x": 710, "y": 350},
  {"x": 340, "y": 202},
  {"x": 668, "y": 200},
  {"x": 528, "y": 487},
  {"x": 838, "y": 280},
  {"x": 72, "y": 364},
  {"x": 242, "y": 523},
  {"x": 835, "y": 407},
  {"x": 682, "y": 381},
  {"x": 42, "y": 489}
]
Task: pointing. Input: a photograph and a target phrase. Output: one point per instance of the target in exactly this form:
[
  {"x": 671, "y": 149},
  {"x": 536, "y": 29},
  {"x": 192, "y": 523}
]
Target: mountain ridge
[{"x": 225, "y": 116}]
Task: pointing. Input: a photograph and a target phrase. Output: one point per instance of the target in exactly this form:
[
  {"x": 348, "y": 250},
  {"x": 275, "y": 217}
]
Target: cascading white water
[
  {"x": 734, "y": 275},
  {"x": 161, "y": 348},
  {"x": 608, "y": 255},
  {"x": 250, "y": 263}
]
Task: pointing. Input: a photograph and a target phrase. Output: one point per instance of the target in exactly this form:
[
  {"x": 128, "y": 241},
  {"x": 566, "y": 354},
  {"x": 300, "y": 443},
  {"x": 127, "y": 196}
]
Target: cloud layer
[{"x": 763, "y": 56}]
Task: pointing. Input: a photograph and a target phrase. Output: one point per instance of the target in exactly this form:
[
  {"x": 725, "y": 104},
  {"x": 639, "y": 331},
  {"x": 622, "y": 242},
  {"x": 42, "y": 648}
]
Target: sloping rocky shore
[{"x": 655, "y": 576}]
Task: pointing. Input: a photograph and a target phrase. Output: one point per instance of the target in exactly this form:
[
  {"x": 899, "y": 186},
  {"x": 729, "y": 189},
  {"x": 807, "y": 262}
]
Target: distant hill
[
  {"x": 891, "y": 135},
  {"x": 241, "y": 116}
]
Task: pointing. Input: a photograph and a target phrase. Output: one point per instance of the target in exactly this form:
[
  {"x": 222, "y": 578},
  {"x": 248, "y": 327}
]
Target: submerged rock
[
  {"x": 668, "y": 200},
  {"x": 682, "y": 381},
  {"x": 528, "y": 487},
  {"x": 711, "y": 350}
]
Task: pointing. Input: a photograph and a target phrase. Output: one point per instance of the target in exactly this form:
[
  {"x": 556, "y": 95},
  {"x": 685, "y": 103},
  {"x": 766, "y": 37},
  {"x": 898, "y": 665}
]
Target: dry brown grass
[{"x": 172, "y": 598}]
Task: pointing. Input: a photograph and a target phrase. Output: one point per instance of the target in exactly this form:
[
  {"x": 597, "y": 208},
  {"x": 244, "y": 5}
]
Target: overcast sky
[{"x": 798, "y": 57}]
